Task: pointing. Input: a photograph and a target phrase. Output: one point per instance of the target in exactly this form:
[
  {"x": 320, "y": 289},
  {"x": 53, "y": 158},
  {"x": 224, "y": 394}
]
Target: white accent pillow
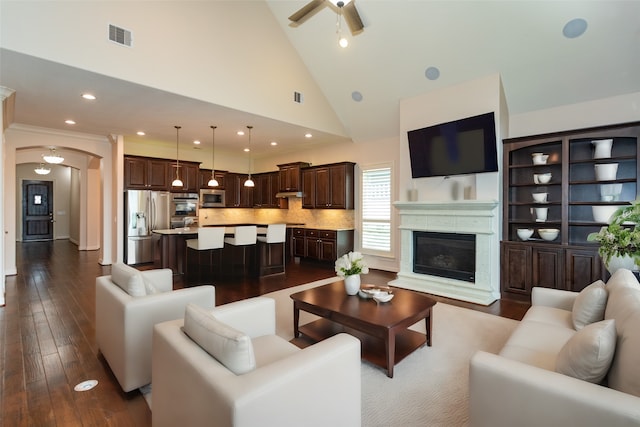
[
  {"x": 129, "y": 279},
  {"x": 227, "y": 345},
  {"x": 588, "y": 354},
  {"x": 589, "y": 305}
]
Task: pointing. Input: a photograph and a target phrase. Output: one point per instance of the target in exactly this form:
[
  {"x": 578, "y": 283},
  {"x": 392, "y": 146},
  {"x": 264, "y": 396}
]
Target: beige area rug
[{"x": 430, "y": 386}]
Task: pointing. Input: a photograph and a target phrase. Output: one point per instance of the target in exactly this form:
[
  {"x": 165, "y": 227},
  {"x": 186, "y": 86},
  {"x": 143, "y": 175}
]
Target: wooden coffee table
[{"x": 382, "y": 328}]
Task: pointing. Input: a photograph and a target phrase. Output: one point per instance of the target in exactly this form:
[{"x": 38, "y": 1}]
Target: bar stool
[
  {"x": 202, "y": 255},
  {"x": 271, "y": 245},
  {"x": 240, "y": 253}
]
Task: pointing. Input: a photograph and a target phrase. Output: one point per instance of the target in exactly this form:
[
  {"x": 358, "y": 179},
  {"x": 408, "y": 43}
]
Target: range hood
[{"x": 285, "y": 194}]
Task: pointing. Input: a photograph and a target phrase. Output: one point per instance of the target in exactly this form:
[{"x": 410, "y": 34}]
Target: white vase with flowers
[{"x": 350, "y": 266}]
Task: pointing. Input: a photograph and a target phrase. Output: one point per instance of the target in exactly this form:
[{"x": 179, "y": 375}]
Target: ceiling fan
[{"x": 346, "y": 8}]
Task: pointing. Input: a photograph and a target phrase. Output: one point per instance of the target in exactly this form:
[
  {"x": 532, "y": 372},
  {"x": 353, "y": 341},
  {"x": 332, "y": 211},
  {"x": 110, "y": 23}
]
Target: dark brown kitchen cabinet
[
  {"x": 329, "y": 186},
  {"x": 205, "y": 176},
  {"x": 321, "y": 244},
  {"x": 142, "y": 173},
  {"x": 189, "y": 174},
  {"x": 264, "y": 193},
  {"x": 573, "y": 197},
  {"x": 290, "y": 176},
  {"x": 236, "y": 194}
]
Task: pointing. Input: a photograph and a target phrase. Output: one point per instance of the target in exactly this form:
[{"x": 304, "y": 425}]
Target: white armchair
[
  {"x": 287, "y": 386},
  {"x": 128, "y": 303}
]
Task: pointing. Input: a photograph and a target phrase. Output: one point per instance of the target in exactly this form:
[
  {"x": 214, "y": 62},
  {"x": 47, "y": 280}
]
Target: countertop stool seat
[
  {"x": 204, "y": 255},
  {"x": 239, "y": 251},
  {"x": 271, "y": 249}
]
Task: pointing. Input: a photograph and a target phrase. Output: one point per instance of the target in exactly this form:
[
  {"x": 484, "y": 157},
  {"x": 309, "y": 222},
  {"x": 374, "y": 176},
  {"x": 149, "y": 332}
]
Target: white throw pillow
[
  {"x": 227, "y": 345},
  {"x": 589, "y": 305},
  {"x": 129, "y": 279},
  {"x": 588, "y": 354}
]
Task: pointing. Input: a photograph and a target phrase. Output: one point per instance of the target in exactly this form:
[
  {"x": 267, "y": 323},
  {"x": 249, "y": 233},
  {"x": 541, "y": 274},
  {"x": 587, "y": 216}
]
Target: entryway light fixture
[
  {"x": 249, "y": 182},
  {"x": 177, "y": 182},
  {"x": 213, "y": 182},
  {"x": 53, "y": 157},
  {"x": 42, "y": 170}
]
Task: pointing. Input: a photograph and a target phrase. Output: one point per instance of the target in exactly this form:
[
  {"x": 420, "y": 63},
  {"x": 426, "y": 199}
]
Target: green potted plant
[{"x": 620, "y": 240}]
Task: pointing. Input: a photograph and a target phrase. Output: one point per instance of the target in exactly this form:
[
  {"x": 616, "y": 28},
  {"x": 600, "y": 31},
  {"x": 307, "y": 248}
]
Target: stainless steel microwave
[{"x": 211, "y": 198}]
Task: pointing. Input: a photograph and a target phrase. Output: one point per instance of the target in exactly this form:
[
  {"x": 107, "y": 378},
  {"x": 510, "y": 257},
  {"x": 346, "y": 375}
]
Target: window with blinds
[{"x": 376, "y": 209}]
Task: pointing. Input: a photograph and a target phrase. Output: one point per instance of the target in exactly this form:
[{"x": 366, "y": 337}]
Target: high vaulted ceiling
[{"x": 521, "y": 40}]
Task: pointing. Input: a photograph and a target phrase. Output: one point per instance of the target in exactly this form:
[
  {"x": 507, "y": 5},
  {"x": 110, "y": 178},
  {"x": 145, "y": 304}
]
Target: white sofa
[
  {"x": 285, "y": 386},
  {"x": 128, "y": 303},
  {"x": 523, "y": 385}
]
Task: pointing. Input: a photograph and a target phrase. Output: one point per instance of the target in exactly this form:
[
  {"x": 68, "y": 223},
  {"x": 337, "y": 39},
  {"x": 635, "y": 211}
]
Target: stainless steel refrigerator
[{"x": 145, "y": 210}]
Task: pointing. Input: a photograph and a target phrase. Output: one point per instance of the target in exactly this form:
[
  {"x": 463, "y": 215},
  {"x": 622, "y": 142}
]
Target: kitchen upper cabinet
[
  {"x": 205, "y": 176},
  {"x": 332, "y": 187},
  {"x": 264, "y": 193},
  {"x": 142, "y": 173},
  {"x": 189, "y": 174},
  {"x": 236, "y": 194},
  {"x": 290, "y": 176}
]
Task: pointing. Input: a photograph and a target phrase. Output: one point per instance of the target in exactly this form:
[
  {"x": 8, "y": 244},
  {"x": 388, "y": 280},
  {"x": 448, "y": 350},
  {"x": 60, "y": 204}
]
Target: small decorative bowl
[
  {"x": 382, "y": 297},
  {"x": 548, "y": 234},
  {"x": 524, "y": 233},
  {"x": 542, "y": 178}
]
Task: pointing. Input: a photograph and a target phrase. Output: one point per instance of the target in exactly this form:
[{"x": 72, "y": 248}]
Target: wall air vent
[
  {"x": 297, "y": 97},
  {"x": 120, "y": 35}
]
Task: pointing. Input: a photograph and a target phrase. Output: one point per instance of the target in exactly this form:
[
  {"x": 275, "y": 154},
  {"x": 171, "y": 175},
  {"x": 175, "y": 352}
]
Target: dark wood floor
[{"x": 47, "y": 336}]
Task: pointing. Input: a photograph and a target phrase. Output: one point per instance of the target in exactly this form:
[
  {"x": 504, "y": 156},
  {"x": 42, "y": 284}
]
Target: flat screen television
[{"x": 459, "y": 147}]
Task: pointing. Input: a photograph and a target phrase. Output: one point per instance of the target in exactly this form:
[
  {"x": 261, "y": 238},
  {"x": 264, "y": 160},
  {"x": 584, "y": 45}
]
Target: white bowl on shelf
[
  {"x": 610, "y": 192},
  {"x": 541, "y": 178},
  {"x": 539, "y": 158},
  {"x": 540, "y": 197},
  {"x": 603, "y": 213},
  {"x": 524, "y": 233},
  {"x": 548, "y": 234},
  {"x": 606, "y": 171}
]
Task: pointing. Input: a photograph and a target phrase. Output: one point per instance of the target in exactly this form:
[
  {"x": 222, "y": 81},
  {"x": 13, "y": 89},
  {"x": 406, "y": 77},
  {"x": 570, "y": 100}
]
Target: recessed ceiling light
[
  {"x": 356, "y": 96},
  {"x": 88, "y": 96},
  {"x": 273, "y": 143},
  {"x": 574, "y": 28},
  {"x": 140, "y": 133},
  {"x": 196, "y": 142},
  {"x": 307, "y": 135},
  {"x": 246, "y": 150},
  {"x": 240, "y": 132},
  {"x": 432, "y": 73},
  {"x": 70, "y": 122}
]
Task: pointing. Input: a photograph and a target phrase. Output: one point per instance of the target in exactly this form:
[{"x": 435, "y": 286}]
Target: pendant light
[
  {"x": 42, "y": 170},
  {"x": 213, "y": 182},
  {"x": 53, "y": 157},
  {"x": 249, "y": 182},
  {"x": 177, "y": 182},
  {"x": 342, "y": 41}
]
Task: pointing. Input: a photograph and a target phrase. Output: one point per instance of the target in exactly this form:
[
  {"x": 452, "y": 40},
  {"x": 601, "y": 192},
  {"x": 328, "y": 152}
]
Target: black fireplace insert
[{"x": 448, "y": 255}]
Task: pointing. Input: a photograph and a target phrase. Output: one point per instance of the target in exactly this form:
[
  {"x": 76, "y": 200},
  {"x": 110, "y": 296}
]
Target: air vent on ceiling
[
  {"x": 297, "y": 97},
  {"x": 119, "y": 35}
]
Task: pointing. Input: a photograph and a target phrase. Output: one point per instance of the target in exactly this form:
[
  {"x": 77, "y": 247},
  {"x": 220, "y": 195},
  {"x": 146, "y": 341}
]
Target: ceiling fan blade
[
  {"x": 307, "y": 11},
  {"x": 352, "y": 17}
]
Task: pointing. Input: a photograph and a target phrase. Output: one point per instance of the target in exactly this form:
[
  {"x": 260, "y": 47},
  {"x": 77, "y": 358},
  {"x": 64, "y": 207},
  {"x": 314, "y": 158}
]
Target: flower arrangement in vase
[
  {"x": 350, "y": 266},
  {"x": 621, "y": 238}
]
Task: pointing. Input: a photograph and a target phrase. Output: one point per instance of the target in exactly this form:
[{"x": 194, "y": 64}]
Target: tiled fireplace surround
[{"x": 477, "y": 217}]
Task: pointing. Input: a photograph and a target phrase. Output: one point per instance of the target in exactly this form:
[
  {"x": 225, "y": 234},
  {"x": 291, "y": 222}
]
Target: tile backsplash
[{"x": 320, "y": 218}]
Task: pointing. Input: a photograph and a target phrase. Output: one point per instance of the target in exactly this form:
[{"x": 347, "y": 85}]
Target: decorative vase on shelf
[
  {"x": 352, "y": 284},
  {"x": 602, "y": 148},
  {"x": 617, "y": 262}
]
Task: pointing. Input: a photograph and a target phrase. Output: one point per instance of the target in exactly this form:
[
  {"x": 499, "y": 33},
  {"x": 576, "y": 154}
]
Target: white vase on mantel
[
  {"x": 352, "y": 284},
  {"x": 617, "y": 262}
]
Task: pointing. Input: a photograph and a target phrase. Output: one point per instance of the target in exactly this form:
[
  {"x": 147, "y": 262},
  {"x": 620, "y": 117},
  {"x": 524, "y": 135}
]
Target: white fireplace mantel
[{"x": 479, "y": 217}]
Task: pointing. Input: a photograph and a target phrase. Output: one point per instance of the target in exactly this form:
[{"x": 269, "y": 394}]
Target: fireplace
[
  {"x": 448, "y": 255},
  {"x": 474, "y": 225}
]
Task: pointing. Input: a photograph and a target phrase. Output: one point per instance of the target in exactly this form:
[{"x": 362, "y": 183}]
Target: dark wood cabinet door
[
  {"x": 135, "y": 173},
  {"x": 323, "y": 188},
  {"x": 232, "y": 190},
  {"x": 516, "y": 270},
  {"x": 582, "y": 267},
  {"x": 327, "y": 250},
  {"x": 190, "y": 175},
  {"x": 547, "y": 266},
  {"x": 274, "y": 184},
  {"x": 338, "y": 187},
  {"x": 309, "y": 189},
  {"x": 158, "y": 175}
]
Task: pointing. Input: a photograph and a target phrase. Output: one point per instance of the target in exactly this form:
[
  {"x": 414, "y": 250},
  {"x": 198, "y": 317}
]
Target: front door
[{"x": 37, "y": 210}]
